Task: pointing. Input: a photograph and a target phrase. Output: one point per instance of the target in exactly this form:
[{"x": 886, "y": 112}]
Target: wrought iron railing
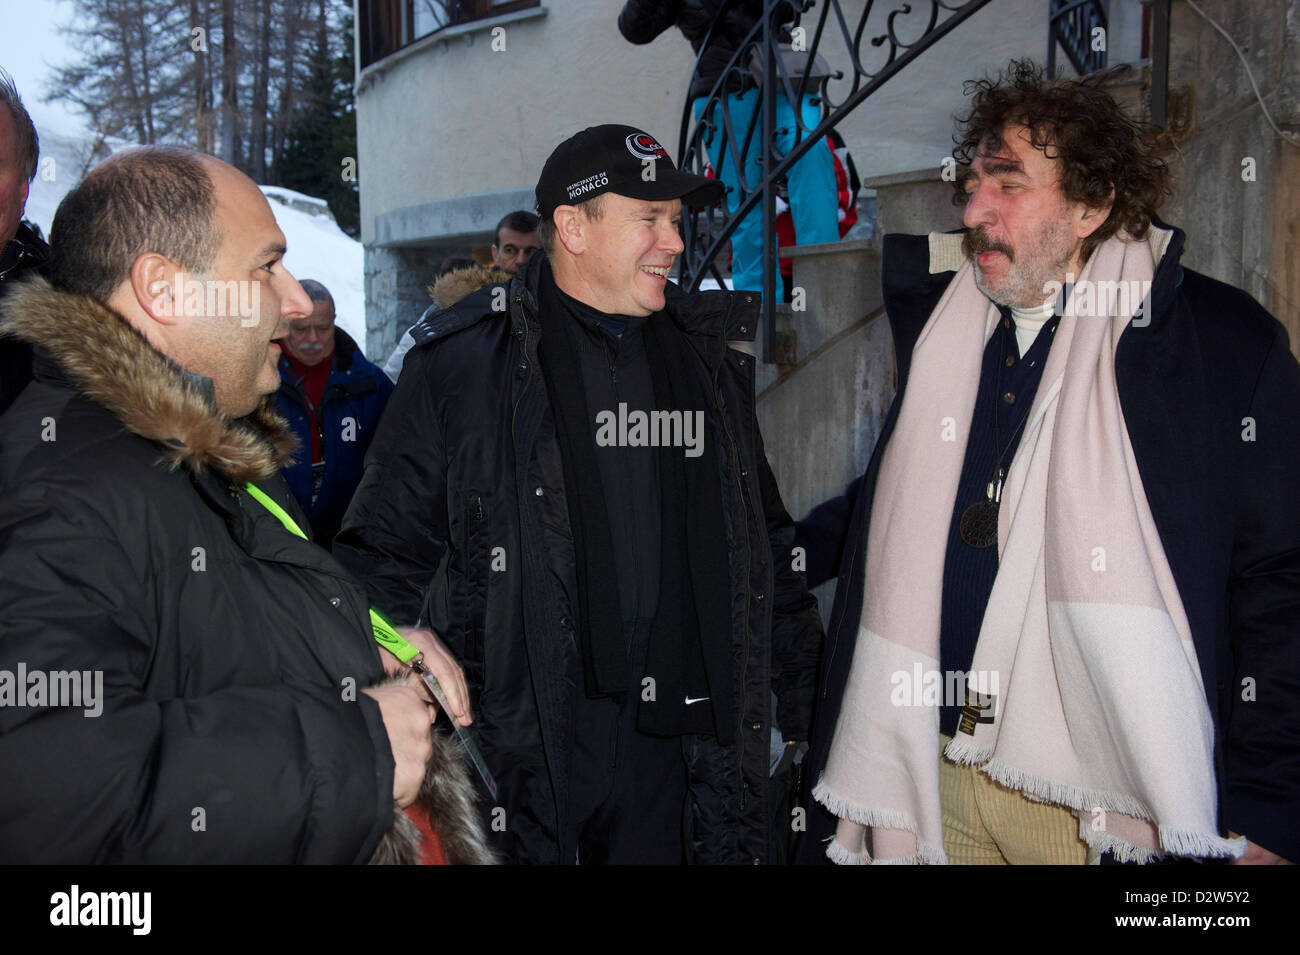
[
  {"x": 825, "y": 31},
  {"x": 1073, "y": 25}
]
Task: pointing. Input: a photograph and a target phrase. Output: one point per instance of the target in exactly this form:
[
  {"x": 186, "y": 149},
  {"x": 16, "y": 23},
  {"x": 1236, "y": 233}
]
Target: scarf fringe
[
  {"x": 1190, "y": 842},
  {"x": 966, "y": 752},
  {"x": 1179, "y": 842},
  {"x": 1176, "y": 842},
  {"x": 1063, "y": 794},
  {"x": 1122, "y": 849},
  {"x": 880, "y": 818},
  {"x": 841, "y": 856},
  {"x": 875, "y": 819}
]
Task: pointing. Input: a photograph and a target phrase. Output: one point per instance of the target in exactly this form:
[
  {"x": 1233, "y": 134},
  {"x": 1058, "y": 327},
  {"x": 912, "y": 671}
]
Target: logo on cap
[{"x": 644, "y": 146}]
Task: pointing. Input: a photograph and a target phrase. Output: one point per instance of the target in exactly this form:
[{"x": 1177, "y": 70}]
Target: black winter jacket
[
  {"x": 24, "y": 256},
  {"x": 461, "y": 521},
  {"x": 1211, "y": 398},
  {"x": 232, "y": 654}
]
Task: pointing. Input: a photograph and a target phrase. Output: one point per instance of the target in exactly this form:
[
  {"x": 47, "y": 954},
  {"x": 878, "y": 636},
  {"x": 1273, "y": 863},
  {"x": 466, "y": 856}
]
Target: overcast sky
[{"x": 31, "y": 44}]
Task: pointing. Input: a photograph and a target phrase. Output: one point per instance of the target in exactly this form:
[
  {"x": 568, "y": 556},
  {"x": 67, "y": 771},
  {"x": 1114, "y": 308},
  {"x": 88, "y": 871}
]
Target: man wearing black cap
[{"x": 570, "y": 487}]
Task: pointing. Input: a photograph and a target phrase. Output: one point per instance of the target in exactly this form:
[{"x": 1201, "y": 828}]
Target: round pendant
[{"x": 979, "y": 524}]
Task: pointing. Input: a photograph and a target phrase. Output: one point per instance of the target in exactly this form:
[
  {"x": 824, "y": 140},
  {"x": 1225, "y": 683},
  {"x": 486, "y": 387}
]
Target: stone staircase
[{"x": 822, "y": 408}]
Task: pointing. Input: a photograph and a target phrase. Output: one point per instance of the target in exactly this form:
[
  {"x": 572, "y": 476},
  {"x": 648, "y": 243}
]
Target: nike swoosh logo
[{"x": 698, "y": 699}]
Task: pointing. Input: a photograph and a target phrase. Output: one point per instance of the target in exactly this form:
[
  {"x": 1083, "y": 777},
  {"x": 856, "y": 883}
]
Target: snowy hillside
[{"x": 318, "y": 248}]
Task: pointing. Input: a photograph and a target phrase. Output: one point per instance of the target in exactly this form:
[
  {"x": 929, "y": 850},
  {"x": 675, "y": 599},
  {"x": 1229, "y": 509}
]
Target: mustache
[{"x": 976, "y": 241}]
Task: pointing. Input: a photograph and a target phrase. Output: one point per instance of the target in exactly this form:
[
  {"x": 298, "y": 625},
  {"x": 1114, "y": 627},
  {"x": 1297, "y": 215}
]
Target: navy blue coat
[
  {"x": 1226, "y": 508},
  {"x": 355, "y": 396}
]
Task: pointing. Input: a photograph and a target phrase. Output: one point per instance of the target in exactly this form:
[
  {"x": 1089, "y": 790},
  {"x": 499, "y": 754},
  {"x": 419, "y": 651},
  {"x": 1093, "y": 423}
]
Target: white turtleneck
[{"x": 1029, "y": 321}]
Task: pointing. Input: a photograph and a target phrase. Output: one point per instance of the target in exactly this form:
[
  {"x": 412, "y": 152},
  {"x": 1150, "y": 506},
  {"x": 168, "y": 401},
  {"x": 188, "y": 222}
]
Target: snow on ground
[{"x": 318, "y": 248}]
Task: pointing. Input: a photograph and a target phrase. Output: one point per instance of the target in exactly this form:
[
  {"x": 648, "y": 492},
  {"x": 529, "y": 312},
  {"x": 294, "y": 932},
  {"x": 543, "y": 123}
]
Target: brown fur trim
[
  {"x": 114, "y": 365},
  {"x": 448, "y": 797},
  {"x": 449, "y": 289}
]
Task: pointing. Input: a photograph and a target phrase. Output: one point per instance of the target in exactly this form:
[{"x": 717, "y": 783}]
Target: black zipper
[
  {"x": 740, "y": 486},
  {"x": 523, "y": 338},
  {"x": 611, "y": 358}
]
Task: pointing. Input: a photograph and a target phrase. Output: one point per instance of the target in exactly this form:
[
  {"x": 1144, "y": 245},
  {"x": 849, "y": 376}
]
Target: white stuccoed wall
[{"x": 455, "y": 118}]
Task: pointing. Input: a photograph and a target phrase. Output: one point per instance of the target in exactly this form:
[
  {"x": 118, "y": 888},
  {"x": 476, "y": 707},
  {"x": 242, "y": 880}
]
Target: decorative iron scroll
[{"x": 876, "y": 48}]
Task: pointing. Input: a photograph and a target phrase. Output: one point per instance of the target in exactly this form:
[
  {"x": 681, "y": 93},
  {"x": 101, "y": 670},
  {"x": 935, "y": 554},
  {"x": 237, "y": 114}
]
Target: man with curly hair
[{"x": 1067, "y": 620}]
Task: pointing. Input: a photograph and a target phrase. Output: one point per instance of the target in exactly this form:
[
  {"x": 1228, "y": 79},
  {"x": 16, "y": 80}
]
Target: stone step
[
  {"x": 822, "y": 408},
  {"x": 915, "y": 202},
  {"x": 836, "y": 284}
]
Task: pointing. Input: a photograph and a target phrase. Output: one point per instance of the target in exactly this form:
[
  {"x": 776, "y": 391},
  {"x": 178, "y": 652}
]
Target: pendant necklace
[{"x": 979, "y": 522}]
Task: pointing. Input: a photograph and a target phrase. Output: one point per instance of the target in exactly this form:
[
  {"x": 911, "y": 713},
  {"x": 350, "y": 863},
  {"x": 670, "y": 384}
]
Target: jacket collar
[
  {"x": 345, "y": 350},
  {"x": 25, "y": 251},
  {"x": 101, "y": 355},
  {"x": 465, "y": 296},
  {"x": 715, "y": 313}
]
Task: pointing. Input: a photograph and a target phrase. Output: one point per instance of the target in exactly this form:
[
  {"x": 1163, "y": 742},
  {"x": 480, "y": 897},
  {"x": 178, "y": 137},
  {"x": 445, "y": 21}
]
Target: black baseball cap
[{"x": 620, "y": 159}]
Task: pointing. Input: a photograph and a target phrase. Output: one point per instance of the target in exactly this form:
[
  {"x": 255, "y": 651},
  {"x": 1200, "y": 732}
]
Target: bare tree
[
  {"x": 176, "y": 71},
  {"x": 292, "y": 67},
  {"x": 261, "y": 81},
  {"x": 229, "y": 85},
  {"x": 201, "y": 75},
  {"x": 129, "y": 79}
]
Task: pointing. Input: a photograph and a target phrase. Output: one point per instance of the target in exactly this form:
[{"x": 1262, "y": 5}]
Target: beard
[{"x": 1043, "y": 258}]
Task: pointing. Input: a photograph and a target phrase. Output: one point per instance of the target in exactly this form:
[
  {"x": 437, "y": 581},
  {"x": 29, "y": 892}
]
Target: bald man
[{"x": 181, "y": 676}]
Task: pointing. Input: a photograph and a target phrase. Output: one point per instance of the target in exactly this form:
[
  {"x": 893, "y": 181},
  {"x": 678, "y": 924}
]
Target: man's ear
[
  {"x": 569, "y": 228},
  {"x": 1094, "y": 217},
  {"x": 158, "y": 286}
]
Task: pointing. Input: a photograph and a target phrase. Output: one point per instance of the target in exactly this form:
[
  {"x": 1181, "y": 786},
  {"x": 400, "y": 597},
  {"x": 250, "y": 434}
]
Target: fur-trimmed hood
[
  {"x": 449, "y": 802},
  {"x": 113, "y": 364},
  {"x": 450, "y": 288}
]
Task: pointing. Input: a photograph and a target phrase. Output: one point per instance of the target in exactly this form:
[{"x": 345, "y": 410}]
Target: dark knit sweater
[{"x": 968, "y": 572}]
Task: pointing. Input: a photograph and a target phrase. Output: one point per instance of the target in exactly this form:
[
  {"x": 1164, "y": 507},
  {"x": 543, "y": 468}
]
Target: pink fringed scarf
[{"x": 1098, "y": 702}]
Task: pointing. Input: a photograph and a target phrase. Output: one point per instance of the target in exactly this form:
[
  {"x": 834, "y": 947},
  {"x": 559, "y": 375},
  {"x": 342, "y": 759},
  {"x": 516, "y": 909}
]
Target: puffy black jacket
[
  {"x": 25, "y": 255},
  {"x": 642, "y": 20},
  {"x": 461, "y": 521},
  {"x": 232, "y": 653}
]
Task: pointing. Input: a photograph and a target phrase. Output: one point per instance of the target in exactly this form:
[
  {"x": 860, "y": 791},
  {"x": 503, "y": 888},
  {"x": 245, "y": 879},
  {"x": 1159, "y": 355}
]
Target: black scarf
[{"x": 688, "y": 656}]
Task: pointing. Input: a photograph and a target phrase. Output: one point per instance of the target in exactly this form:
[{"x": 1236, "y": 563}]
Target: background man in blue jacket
[{"x": 332, "y": 397}]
